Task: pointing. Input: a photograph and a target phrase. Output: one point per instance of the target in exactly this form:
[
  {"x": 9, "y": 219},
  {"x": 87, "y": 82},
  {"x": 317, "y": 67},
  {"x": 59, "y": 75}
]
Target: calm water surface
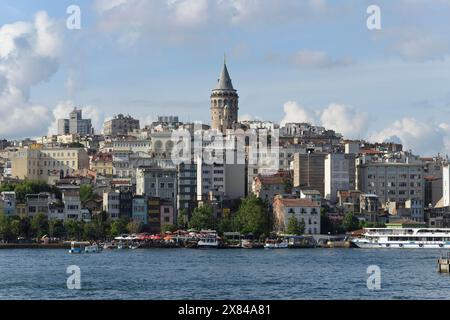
[{"x": 223, "y": 274}]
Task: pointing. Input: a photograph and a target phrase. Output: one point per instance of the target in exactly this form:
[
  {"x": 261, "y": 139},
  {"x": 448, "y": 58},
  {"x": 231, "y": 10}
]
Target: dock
[{"x": 444, "y": 264}]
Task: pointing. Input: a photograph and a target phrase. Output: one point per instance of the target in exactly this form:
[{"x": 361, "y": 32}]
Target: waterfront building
[
  {"x": 111, "y": 203},
  {"x": 224, "y": 103},
  {"x": 392, "y": 181},
  {"x": 38, "y": 203},
  {"x": 120, "y": 125},
  {"x": 8, "y": 201},
  {"x": 304, "y": 210},
  {"x": 187, "y": 187},
  {"x": 349, "y": 200},
  {"x": 446, "y": 185},
  {"x": 369, "y": 206},
  {"x": 72, "y": 205},
  {"x": 227, "y": 181},
  {"x": 167, "y": 214},
  {"x": 267, "y": 187},
  {"x": 309, "y": 171},
  {"x": 139, "y": 209},
  {"x": 433, "y": 176},
  {"x": 339, "y": 174}
]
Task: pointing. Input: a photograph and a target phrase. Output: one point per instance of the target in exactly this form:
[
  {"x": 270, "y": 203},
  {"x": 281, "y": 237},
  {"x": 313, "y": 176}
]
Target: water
[{"x": 223, "y": 274}]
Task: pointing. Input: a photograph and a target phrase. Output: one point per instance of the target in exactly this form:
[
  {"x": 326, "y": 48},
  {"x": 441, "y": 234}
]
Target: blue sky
[{"x": 311, "y": 60}]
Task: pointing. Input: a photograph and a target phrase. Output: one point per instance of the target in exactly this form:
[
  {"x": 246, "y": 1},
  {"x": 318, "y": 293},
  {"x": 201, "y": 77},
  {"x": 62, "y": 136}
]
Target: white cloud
[
  {"x": 425, "y": 138},
  {"x": 317, "y": 59},
  {"x": 184, "y": 20},
  {"x": 422, "y": 48},
  {"x": 338, "y": 117},
  {"x": 344, "y": 119},
  {"x": 296, "y": 113},
  {"x": 29, "y": 55}
]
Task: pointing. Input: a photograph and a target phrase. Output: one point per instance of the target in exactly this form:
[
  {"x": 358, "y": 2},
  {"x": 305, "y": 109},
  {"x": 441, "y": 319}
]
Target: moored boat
[
  {"x": 276, "y": 244},
  {"x": 404, "y": 238}
]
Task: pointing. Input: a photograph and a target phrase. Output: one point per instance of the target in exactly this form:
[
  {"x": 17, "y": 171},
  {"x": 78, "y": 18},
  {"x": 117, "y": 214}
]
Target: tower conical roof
[{"x": 224, "y": 82}]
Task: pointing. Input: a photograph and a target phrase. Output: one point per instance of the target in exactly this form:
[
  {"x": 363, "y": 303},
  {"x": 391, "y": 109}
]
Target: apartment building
[
  {"x": 120, "y": 125},
  {"x": 392, "y": 181},
  {"x": 339, "y": 174},
  {"x": 309, "y": 171},
  {"x": 305, "y": 210},
  {"x": 42, "y": 164}
]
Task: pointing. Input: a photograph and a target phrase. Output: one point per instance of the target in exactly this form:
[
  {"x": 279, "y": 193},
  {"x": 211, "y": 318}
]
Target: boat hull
[{"x": 400, "y": 245}]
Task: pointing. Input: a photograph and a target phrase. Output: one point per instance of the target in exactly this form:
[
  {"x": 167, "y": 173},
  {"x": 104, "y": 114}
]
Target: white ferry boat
[{"x": 406, "y": 238}]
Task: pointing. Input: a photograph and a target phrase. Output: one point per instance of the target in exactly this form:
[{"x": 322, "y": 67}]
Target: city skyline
[{"x": 324, "y": 69}]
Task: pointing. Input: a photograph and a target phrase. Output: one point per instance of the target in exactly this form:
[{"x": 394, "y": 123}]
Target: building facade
[{"x": 120, "y": 125}]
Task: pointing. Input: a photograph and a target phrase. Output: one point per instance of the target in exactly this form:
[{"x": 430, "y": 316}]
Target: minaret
[{"x": 224, "y": 102}]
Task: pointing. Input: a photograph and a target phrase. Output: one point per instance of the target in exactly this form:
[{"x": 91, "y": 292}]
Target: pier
[{"x": 444, "y": 264}]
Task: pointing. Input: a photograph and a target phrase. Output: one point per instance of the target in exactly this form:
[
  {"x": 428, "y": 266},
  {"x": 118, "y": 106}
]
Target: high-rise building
[
  {"x": 224, "y": 102},
  {"x": 309, "y": 171},
  {"x": 75, "y": 124}
]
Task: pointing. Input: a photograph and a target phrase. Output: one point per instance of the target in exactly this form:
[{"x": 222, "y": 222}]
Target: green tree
[
  {"x": 295, "y": 227},
  {"x": 350, "y": 222},
  {"x": 90, "y": 231},
  {"x": 74, "y": 229},
  {"x": 203, "y": 218},
  {"x": 39, "y": 225},
  {"x": 168, "y": 227},
  {"x": 134, "y": 227},
  {"x": 56, "y": 228},
  {"x": 254, "y": 217},
  {"x": 86, "y": 193},
  {"x": 5, "y": 228},
  {"x": 118, "y": 227},
  {"x": 227, "y": 224}
]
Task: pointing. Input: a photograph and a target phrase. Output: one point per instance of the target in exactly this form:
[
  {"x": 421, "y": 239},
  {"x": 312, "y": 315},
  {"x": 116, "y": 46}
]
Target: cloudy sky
[{"x": 291, "y": 60}]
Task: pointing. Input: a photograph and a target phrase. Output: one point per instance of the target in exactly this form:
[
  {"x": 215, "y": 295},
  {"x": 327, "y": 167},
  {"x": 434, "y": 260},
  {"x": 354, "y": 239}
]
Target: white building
[
  {"x": 111, "y": 203},
  {"x": 305, "y": 210},
  {"x": 446, "y": 184},
  {"x": 72, "y": 205},
  {"x": 227, "y": 180}
]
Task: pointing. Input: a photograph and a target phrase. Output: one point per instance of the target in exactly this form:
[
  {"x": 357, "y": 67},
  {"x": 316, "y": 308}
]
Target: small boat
[
  {"x": 93, "y": 249},
  {"x": 76, "y": 247},
  {"x": 109, "y": 246},
  {"x": 275, "y": 244},
  {"x": 208, "y": 242},
  {"x": 134, "y": 246}
]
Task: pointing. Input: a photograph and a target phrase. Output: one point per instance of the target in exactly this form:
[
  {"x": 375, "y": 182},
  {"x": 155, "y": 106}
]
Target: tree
[
  {"x": 295, "y": 227},
  {"x": 118, "y": 227},
  {"x": 5, "y": 228},
  {"x": 90, "y": 231},
  {"x": 203, "y": 218},
  {"x": 74, "y": 229},
  {"x": 134, "y": 227},
  {"x": 253, "y": 217},
  {"x": 86, "y": 193},
  {"x": 39, "y": 225},
  {"x": 56, "y": 228},
  {"x": 350, "y": 222},
  {"x": 227, "y": 224},
  {"x": 168, "y": 227}
]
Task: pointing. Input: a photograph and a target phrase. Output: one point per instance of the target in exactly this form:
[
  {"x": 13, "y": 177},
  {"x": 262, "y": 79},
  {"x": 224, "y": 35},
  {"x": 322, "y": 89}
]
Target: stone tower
[{"x": 224, "y": 102}]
